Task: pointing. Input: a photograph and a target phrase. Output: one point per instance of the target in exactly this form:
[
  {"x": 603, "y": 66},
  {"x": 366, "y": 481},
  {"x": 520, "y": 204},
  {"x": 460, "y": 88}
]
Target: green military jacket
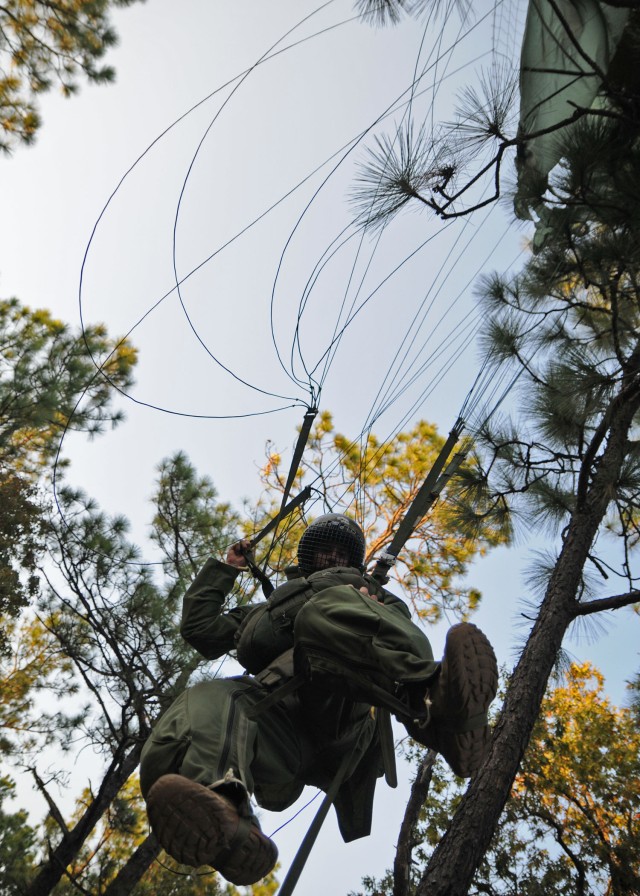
[
  {"x": 213, "y": 633},
  {"x": 259, "y": 633}
]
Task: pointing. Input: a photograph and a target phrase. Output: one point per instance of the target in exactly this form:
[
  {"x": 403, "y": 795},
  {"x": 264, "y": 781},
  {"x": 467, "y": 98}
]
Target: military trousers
[{"x": 302, "y": 739}]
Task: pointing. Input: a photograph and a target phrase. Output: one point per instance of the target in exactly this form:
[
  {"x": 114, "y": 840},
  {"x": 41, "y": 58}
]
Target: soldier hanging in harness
[{"x": 325, "y": 647}]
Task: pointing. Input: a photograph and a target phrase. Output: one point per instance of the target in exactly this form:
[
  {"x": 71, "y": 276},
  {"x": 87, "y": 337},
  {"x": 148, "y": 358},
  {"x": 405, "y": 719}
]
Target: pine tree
[
  {"x": 43, "y": 43},
  {"x": 49, "y": 382},
  {"x": 570, "y": 460}
]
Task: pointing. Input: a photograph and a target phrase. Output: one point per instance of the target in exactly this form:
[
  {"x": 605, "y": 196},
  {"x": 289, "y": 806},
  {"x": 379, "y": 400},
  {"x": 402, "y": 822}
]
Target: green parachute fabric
[{"x": 566, "y": 44}]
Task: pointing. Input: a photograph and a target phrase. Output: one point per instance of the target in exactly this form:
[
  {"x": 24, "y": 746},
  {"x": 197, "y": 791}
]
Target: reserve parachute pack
[
  {"x": 325, "y": 630},
  {"x": 267, "y": 631}
]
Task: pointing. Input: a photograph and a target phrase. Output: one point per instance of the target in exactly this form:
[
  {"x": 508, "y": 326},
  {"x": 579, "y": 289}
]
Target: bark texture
[
  {"x": 135, "y": 868},
  {"x": 453, "y": 863}
]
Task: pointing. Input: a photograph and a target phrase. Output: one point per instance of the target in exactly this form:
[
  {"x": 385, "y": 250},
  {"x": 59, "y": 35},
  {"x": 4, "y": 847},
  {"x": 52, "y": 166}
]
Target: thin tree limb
[
  {"x": 406, "y": 838},
  {"x": 607, "y": 603},
  {"x": 134, "y": 868},
  {"x": 54, "y": 811}
]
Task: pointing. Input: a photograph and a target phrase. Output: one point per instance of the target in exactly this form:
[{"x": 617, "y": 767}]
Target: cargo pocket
[{"x": 166, "y": 746}]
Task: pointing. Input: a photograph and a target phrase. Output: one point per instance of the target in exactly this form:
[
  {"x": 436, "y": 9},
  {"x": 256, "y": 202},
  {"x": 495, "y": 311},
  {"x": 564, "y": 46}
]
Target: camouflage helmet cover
[{"x": 331, "y": 533}]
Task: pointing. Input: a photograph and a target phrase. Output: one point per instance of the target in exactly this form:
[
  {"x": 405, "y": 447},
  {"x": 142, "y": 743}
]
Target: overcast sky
[{"x": 216, "y": 171}]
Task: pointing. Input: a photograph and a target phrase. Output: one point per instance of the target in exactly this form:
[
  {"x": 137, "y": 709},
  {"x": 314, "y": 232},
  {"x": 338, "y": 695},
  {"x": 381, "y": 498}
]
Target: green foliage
[
  {"x": 634, "y": 698},
  {"x": 376, "y": 482},
  {"x": 387, "y": 11},
  {"x": 447, "y": 169},
  {"x": 35, "y": 669},
  {"x": 20, "y": 543},
  {"x": 580, "y": 787},
  {"x": 49, "y": 381},
  {"x": 17, "y": 845},
  {"x": 43, "y": 43},
  {"x": 571, "y": 825},
  {"x": 188, "y": 524},
  {"x": 112, "y": 618},
  {"x": 383, "y": 12},
  {"x": 395, "y": 172}
]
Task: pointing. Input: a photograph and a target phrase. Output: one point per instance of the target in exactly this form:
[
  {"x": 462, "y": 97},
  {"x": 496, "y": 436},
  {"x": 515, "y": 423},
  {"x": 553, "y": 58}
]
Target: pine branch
[
  {"x": 560, "y": 837},
  {"x": 607, "y": 603},
  {"x": 50, "y": 873},
  {"x": 588, "y": 464},
  {"x": 379, "y": 12},
  {"x": 54, "y": 811}
]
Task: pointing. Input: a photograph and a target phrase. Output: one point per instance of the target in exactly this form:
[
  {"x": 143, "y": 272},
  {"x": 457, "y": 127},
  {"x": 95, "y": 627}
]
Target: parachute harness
[{"x": 336, "y": 534}]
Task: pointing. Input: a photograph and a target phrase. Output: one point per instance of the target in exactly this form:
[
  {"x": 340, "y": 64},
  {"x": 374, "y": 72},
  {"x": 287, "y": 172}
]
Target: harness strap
[
  {"x": 303, "y": 438},
  {"x": 259, "y": 574},
  {"x": 276, "y": 696},
  {"x": 427, "y": 494},
  {"x": 293, "y": 503},
  {"x": 383, "y": 719},
  {"x": 285, "y": 510},
  {"x": 387, "y": 748},
  {"x": 360, "y": 687}
]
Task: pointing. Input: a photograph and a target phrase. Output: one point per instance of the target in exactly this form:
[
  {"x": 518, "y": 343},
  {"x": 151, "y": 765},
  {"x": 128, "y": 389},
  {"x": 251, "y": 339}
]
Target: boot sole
[
  {"x": 468, "y": 684},
  {"x": 197, "y": 826}
]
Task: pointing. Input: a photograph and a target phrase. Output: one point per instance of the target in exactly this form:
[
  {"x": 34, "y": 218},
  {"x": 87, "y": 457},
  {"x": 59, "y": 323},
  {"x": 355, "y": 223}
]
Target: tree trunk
[
  {"x": 66, "y": 851},
  {"x": 131, "y": 873},
  {"x": 455, "y": 860}
]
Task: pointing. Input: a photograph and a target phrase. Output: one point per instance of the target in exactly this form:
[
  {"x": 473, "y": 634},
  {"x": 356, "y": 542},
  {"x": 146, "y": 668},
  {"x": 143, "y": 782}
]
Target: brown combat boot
[
  {"x": 199, "y": 826},
  {"x": 458, "y": 701}
]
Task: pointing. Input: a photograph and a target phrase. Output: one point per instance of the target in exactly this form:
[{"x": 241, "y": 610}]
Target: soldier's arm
[{"x": 204, "y": 626}]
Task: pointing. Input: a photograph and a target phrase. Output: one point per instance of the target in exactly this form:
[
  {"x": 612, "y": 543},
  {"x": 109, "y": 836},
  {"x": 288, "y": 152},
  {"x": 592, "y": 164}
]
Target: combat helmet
[{"x": 332, "y": 533}]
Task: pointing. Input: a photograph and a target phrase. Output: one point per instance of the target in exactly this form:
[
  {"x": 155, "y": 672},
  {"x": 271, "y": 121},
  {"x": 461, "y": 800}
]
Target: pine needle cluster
[
  {"x": 389, "y": 12},
  {"x": 570, "y": 322},
  {"x": 447, "y": 171},
  {"x": 43, "y": 43}
]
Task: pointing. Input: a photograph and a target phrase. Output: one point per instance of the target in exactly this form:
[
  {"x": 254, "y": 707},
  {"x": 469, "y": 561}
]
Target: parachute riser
[
  {"x": 285, "y": 509},
  {"x": 256, "y": 572},
  {"x": 426, "y": 497}
]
